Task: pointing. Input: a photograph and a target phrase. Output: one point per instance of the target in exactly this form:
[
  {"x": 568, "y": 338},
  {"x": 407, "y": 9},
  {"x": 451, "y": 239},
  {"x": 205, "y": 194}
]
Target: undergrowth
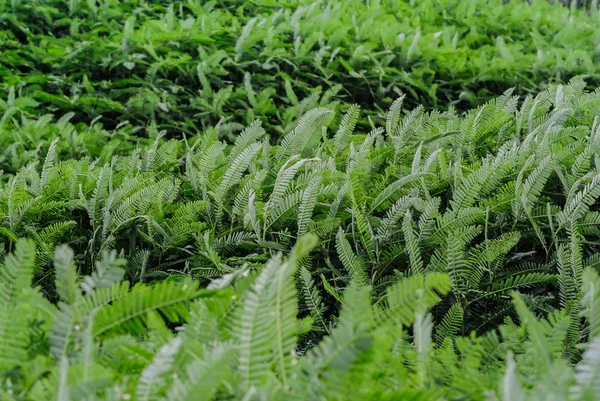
[
  {"x": 503, "y": 199},
  {"x": 299, "y": 200}
]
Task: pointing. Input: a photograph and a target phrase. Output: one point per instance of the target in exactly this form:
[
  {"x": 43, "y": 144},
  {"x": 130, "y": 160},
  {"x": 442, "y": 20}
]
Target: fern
[
  {"x": 353, "y": 264},
  {"x": 591, "y": 301},
  {"x": 129, "y": 313},
  {"x": 404, "y": 297},
  {"x": 346, "y": 128},
  {"x": 250, "y": 135},
  {"x": 257, "y": 331},
  {"x": 234, "y": 172},
  {"x": 328, "y": 365},
  {"x": 16, "y": 275},
  {"x": 313, "y": 301},
  {"x": 308, "y": 203},
  {"x": 201, "y": 181},
  {"x": 108, "y": 271},
  {"x": 385, "y": 197},
  {"x": 586, "y": 372},
  {"x": 412, "y": 245},
  {"x": 66, "y": 275},
  {"x": 151, "y": 380},
  {"x": 202, "y": 377},
  {"x": 450, "y": 325}
]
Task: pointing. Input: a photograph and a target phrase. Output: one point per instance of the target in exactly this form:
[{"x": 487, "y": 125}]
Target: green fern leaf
[
  {"x": 66, "y": 274},
  {"x": 129, "y": 313},
  {"x": 152, "y": 378},
  {"x": 309, "y": 199},
  {"x": 591, "y": 301},
  {"x": 353, "y": 263},
  {"x": 16, "y": 275},
  {"x": 412, "y": 245},
  {"x": 342, "y": 136},
  {"x": 450, "y": 325}
]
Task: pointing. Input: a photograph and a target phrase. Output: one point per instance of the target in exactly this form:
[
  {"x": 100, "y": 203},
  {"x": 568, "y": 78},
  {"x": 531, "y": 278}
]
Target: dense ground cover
[
  {"x": 192, "y": 64},
  {"x": 257, "y": 201}
]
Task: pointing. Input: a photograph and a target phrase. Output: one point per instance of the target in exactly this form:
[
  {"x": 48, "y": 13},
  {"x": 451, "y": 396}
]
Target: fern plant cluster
[
  {"x": 407, "y": 246},
  {"x": 188, "y": 65},
  {"x": 108, "y": 339},
  {"x": 253, "y": 201}
]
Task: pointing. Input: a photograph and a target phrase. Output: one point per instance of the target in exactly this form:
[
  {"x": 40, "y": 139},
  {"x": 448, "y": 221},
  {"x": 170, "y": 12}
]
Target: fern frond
[
  {"x": 456, "y": 263},
  {"x": 309, "y": 199},
  {"x": 590, "y": 301},
  {"x": 346, "y": 128},
  {"x": 234, "y": 172},
  {"x": 203, "y": 377},
  {"x": 284, "y": 207},
  {"x": 454, "y": 220},
  {"x": 536, "y": 330},
  {"x": 152, "y": 379},
  {"x": 412, "y": 245},
  {"x": 582, "y": 201},
  {"x": 450, "y": 325},
  {"x": 248, "y": 136},
  {"x": 535, "y": 182},
  {"x": 327, "y": 366},
  {"x": 301, "y": 138},
  {"x": 16, "y": 274},
  {"x": 109, "y": 270},
  {"x": 403, "y": 298},
  {"x": 313, "y": 301},
  {"x": 386, "y": 196},
  {"x": 482, "y": 256},
  {"x": 284, "y": 179},
  {"x": 515, "y": 282},
  {"x": 399, "y": 209},
  {"x": 266, "y": 327},
  {"x": 48, "y": 163},
  {"x": 353, "y": 263},
  {"x": 66, "y": 274},
  {"x": 393, "y": 116},
  {"x": 129, "y": 313},
  {"x": 587, "y": 373},
  {"x": 426, "y": 219}
]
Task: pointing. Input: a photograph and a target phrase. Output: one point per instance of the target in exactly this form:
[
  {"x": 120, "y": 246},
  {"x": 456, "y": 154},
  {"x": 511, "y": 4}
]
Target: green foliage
[
  {"x": 207, "y": 200},
  {"x": 241, "y": 343},
  {"x": 492, "y": 215},
  {"x": 115, "y": 73}
]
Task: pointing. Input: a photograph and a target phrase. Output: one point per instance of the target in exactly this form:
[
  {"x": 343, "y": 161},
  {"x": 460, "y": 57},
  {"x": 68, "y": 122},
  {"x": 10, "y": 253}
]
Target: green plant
[
  {"x": 502, "y": 199},
  {"x": 107, "y": 341},
  {"x": 207, "y": 200},
  {"x": 189, "y": 65}
]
